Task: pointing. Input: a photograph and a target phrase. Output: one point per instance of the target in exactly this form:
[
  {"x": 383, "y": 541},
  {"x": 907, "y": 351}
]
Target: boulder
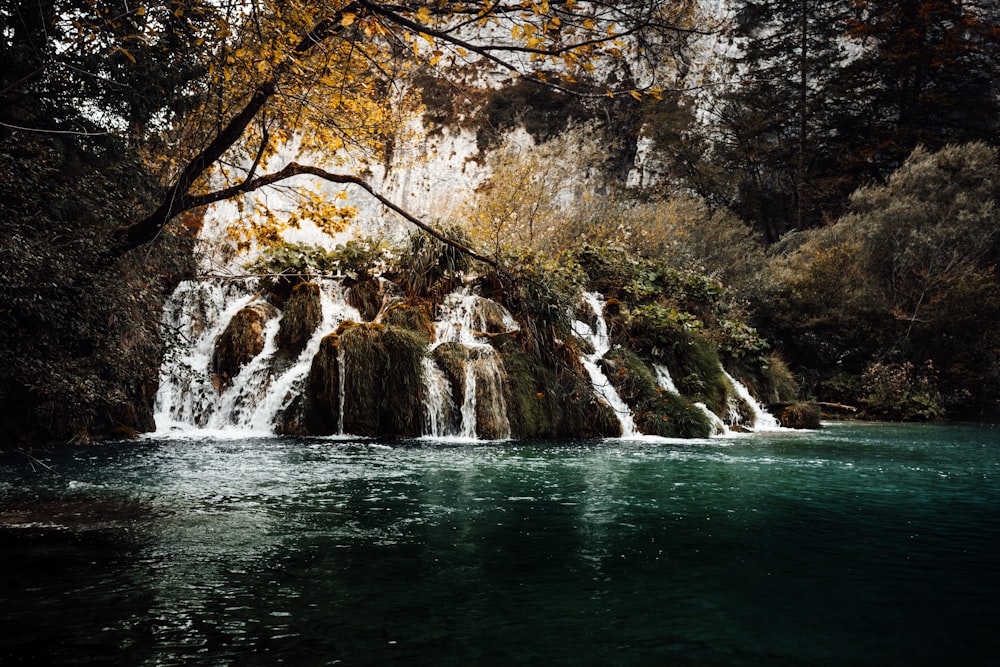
[{"x": 242, "y": 340}]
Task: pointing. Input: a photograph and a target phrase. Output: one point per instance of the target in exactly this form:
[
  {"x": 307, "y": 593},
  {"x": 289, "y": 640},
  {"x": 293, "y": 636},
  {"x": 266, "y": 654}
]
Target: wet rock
[{"x": 242, "y": 340}]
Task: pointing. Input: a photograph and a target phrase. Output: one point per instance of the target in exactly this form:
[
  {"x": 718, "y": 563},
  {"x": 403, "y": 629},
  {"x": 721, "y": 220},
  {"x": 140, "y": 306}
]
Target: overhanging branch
[{"x": 295, "y": 169}]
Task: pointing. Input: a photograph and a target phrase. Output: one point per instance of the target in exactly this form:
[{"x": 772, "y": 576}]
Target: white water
[
  {"x": 464, "y": 318},
  {"x": 440, "y": 406},
  {"x": 598, "y": 337},
  {"x": 762, "y": 419},
  {"x": 263, "y": 388}
]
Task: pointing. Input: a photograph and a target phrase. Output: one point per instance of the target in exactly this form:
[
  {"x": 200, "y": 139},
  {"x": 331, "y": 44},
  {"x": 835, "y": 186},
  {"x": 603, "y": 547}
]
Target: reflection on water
[{"x": 859, "y": 545}]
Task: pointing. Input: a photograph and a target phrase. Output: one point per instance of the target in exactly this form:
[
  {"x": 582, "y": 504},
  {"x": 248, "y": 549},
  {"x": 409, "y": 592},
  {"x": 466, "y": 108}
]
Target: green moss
[
  {"x": 531, "y": 399},
  {"x": 302, "y": 314},
  {"x": 655, "y": 411},
  {"x": 383, "y": 388},
  {"x": 412, "y": 317},
  {"x": 767, "y": 377}
]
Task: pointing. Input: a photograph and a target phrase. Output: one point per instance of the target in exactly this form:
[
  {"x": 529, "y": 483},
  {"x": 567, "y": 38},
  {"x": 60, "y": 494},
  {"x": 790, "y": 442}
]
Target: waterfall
[
  {"x": 199, "y": 312},
  {"x": 598, "y": 337},
  {"x": 762, "y": 419},
  {"x": 666, "y": 383},
  {"x": 262, "y": 386},
  {"x": 464, "y": 319},
  {"x": 439, "y": 404},
  {"x": 469, "y": 403},
  {"x": 195, "y": 316},
  {"x": 341, "y": 387}
]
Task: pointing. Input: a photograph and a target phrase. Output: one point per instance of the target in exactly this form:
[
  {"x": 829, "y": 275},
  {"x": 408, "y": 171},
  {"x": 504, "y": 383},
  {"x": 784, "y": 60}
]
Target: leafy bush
[
  {"x": 428, "y": 268},
  {"x": 902, "y": 392},
  {"x": 355, "y": 259},
  {"x": 910, "y": 274}
]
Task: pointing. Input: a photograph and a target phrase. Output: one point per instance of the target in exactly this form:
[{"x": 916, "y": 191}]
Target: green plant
[
  {"x": 901, "y": 392},
  {"x": 428, "y": 268}
]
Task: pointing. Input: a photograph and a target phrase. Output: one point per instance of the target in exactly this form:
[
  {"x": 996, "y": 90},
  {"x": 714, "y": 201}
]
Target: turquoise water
[{"x": 855, "y": 545}]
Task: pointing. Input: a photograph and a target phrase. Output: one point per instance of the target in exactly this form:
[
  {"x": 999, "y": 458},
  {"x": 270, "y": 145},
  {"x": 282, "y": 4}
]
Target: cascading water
[
  {"x": 464, "y": 319},
  {"x": 440, "y": 406},
  {"x": 464, "y": 389},
  {"x": 199, "y": 312},
  {"x": 196, "y": 314},
  {"x": 597, "y": 336},
  {"x": 762, "y": 419}
]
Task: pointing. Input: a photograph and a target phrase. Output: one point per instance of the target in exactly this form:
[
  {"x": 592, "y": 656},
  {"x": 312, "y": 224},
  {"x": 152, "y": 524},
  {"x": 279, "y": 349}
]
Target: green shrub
[
  {"x": 428, "y": 268},
  {"x": 901, "y": 392}
]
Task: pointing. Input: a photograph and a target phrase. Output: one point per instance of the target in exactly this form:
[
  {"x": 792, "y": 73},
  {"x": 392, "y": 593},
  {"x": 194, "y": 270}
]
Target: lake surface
[{"x": 859, "y": 544}]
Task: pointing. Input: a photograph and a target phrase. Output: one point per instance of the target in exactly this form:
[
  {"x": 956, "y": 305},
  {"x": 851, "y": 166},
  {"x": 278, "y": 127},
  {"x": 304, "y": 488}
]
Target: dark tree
[
  {"x": 926, "y": 74},
  {"x": 774, "y": 120}
]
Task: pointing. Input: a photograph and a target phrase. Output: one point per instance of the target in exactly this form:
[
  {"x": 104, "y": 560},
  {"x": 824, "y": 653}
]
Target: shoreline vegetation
[{"x": 807, "y": 223}]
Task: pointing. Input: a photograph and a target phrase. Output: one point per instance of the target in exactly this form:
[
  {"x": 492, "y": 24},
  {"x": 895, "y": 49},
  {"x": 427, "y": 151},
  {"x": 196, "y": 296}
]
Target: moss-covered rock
[
  {"x": 240, "y": 342},
  {"x": 413, "y": 317},
  {"x": 451, "y": 358},
  {"x": 317, "y": 410},
  {"x": 767, "y": 377},
  {"x": 367, "y": 296},
  {"x": 553, "y": 400},
  {"x": 302, "y": 314},
  {"x": 800, "y": 415},
  {"x": 383, "y": 380},
  {"x": 655, "y": 410}
]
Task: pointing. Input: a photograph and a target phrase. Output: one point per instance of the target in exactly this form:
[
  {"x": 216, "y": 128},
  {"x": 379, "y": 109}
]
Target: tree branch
[
  {"x": 295, "y": 169},
  {"x": 178, "y": 198}
]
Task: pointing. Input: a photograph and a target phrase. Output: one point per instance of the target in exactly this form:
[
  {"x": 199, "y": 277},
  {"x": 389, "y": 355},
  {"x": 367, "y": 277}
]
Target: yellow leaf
[
  {"x": 127, "y": 54},
  {"x": 347, "y": 19},
  {"x": 427, "y": 38},
  {"x": 424, "y": 14},
  {"x": 636, "y": 94},
  {"x": 141, "y": 11}
]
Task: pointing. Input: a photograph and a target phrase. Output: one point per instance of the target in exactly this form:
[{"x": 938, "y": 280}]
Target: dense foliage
[
  {"x": 904, "y": 287},
  {"x": 80, "y": 348}
]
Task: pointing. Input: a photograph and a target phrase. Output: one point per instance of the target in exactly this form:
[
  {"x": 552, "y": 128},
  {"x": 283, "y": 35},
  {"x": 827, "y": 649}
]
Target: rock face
[{"x": 242, "y": 340}]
